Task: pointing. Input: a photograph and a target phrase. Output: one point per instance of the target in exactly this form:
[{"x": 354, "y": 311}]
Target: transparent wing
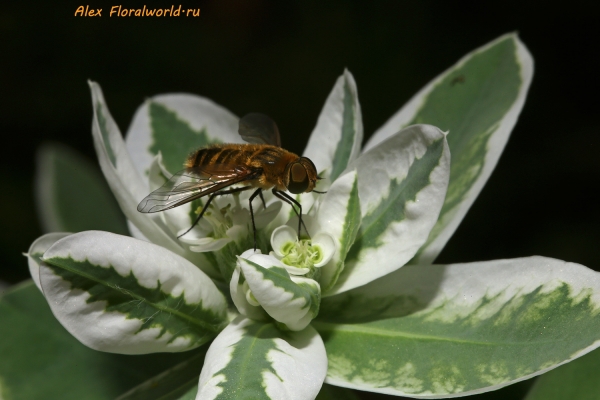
[
  {"x": 192, "y": 183},
  {"x": 259, "y": 129}
]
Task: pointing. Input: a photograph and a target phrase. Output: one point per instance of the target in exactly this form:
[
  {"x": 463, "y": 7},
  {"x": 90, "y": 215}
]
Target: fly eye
[{"x": 298, "y": 179}]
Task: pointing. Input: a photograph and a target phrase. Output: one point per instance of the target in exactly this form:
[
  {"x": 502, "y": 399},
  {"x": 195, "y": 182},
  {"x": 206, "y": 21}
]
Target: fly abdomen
[{"x": 213, "y": 155}]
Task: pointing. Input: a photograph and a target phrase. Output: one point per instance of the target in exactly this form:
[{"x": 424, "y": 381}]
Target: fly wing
[
  {"x": 259, "y": 129},
  {"x": 192, "y": 183}
]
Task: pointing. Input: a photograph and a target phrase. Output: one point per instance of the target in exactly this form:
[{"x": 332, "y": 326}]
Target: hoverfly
[{"x": 262, "y": 164}]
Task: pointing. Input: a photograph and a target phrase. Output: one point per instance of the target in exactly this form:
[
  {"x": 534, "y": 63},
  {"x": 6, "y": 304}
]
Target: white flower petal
[
  {"x": 328, "y": 247},
  {"x": 209, "y": 244},
  {"x": 264, "y": 217},
  {"x": 282, "y": 235}
]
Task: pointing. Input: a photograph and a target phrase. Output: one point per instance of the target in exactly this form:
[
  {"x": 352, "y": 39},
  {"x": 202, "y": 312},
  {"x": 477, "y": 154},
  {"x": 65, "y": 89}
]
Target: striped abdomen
[{"x": 267, "y": 162}]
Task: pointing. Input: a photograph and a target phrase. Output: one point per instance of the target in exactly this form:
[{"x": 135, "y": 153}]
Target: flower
[
  {"x": 333, "y": 304},
  {"x": 268, "y": 288},
  {"x": 308, "y": 255}
]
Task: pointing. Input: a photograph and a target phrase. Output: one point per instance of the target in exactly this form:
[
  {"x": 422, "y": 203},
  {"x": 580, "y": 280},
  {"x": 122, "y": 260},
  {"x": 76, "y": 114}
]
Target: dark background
[{"x": 282, "y": 58}]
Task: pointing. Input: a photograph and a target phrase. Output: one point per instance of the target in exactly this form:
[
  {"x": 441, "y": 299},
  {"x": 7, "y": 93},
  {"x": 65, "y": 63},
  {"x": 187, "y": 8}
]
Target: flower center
[
  {"x": 302, "y": 254},
  {"x": 219, "y": 219},
  {"x": 222, "y": 219}
]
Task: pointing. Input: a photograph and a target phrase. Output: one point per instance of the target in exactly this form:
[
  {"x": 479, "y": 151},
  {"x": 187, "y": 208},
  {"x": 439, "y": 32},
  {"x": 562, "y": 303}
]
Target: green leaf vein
[
  {"x": 392, "y": 207},
  {"x": 154, "y": 307},
  {"x": 343, "y": 150}
]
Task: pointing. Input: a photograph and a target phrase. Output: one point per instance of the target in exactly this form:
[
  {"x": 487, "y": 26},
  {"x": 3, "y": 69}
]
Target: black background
[{"x": 282, "y": 59}]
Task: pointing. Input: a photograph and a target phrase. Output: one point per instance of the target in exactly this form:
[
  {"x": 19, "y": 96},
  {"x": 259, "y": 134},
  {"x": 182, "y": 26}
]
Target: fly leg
[
  {"x": 263, "y": 199},
  {"x": 257, "y": 192},
  {"x": 212, "y": 196},
  {"x": 292, "y": 202}
]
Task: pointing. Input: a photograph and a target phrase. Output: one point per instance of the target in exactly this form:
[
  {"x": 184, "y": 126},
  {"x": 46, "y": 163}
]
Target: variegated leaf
[
  {"x": 119, "y": 294},
  {"x": 339, "y": 215},
  {"x": 125, "y": 182},
  {"x": 175, "y": 125},
  {"x": 239, "y": 294},
  {"x": 401, "y": 185},
  {"x": 438, "y": 331},
  {"x": 478, "y": 100},
  {"x": 41, "y": 360},
  {"x": 37, "y": 250},
  {"x": 575, "y": 380},
  {"x": 179, "y": 218},
  {"x": 336, "y": 140},
  {"x": 293, "y": 301},
  {"x": 255, "y": 360}
]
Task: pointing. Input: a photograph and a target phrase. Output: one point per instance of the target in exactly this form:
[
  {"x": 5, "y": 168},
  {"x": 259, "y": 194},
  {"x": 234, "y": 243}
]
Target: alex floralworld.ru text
[{"x": 120, "y": 11}]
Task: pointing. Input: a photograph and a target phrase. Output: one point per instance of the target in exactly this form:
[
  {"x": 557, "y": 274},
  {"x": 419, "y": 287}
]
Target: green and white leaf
[
  {"x": 41, "y": 360},
  {"x": 125, "y": 182},
  {"x": 575, "y": 380},
  {"x": 478, "y": 100},
  {"x": 123, "y": 295},
  {"x": 177, "y": 218},
  {"x": 336, "y": 140},
  {"x": 70, "y": 191},
  {"x": 401, "y": 184},
  {"x": 176, "y": 125},
  {"x": 339, "y": 215},
  {"x": 258, "y": 361},
  {"x": 37, "y": 250},
  {"x": 293, "y": 301},
  {"x": 239, "y": 296},
  {"x": 438, "y": 331},
  {"x": 180, "y": 219}
]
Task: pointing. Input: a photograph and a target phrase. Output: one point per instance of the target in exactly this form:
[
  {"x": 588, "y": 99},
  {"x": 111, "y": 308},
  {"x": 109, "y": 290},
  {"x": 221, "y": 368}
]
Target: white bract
[{"x": 331, "y": 304}]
